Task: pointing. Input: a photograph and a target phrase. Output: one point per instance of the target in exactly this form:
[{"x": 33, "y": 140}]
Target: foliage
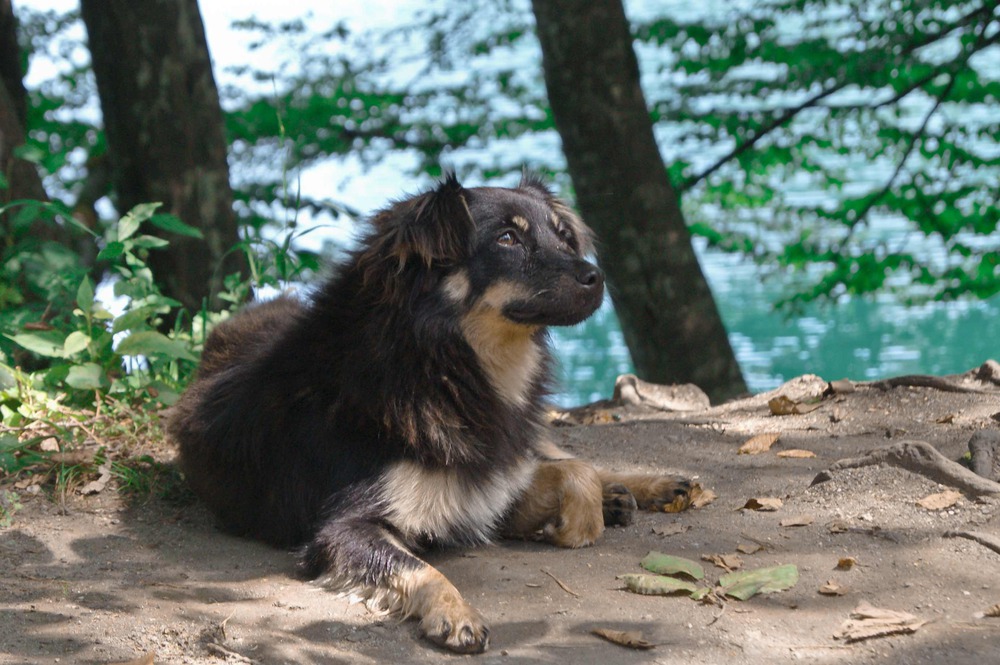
[
  {"x": 851, "y": 143},
  {"x": 97, "y": 378}
]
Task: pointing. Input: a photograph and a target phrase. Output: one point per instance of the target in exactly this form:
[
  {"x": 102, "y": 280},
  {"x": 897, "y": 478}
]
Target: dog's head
[{"x": 518, "y": 254}]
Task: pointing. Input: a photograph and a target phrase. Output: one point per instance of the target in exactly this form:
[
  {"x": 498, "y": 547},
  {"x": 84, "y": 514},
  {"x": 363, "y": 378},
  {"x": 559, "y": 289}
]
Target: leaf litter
[
  {"x": 867, "y": 622},
  {"x": 746, "y": 584},
  {"x": 631, "y": 639},
  {"x": 761, "y": 443},
  {"x": 737, "y": 584},
  {"x": 763, "y": 503}
]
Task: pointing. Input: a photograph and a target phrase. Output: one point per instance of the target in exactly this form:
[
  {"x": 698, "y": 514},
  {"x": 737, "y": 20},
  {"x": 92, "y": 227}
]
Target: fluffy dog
[{"x": 403, "y": 405}]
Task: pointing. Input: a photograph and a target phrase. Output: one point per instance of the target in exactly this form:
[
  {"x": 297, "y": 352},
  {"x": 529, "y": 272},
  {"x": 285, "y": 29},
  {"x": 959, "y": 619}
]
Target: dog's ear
[
  {"x": 433, "y": 228},
  {"x": 533, "y": 184}
]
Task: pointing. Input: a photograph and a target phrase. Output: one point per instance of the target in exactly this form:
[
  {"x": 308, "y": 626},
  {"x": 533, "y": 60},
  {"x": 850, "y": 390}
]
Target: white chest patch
[{"x": 445, "y": 505}]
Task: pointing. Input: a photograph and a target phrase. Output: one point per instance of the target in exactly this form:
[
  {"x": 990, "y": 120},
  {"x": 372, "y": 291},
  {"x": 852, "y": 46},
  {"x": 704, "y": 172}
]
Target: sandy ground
[{"x": 105, "y": 580}]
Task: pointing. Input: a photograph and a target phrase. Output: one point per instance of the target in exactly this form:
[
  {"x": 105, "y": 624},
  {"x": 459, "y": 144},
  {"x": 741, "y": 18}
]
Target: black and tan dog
[{"x": 403, "y": 406}]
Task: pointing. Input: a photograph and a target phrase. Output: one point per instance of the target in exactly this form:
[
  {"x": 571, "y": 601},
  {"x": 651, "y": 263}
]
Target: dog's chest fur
[{"x": 446, "y": 505}]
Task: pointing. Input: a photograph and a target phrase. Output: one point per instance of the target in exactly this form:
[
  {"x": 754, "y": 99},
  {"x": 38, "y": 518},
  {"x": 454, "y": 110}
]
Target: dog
[{"x": 403, "y": 405}]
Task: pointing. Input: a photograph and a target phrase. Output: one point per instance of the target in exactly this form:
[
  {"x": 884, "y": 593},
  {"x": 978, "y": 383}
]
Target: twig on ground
[
  {"x": 220, "y": 650},
  {"x": 562, "y": 585}
]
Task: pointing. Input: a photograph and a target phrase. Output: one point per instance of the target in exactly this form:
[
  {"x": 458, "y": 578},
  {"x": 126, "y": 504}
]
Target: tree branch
[{"x": 790, "y": 113}]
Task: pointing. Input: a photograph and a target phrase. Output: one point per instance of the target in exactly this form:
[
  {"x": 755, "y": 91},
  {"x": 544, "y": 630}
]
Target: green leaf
[
  {"x": 153, "y": 343},
  {"x": 746, "y": 583},
  {"x": 85, "y": 295},
  {"x": 111, "y": 251},
  {"x": 173, "y": 224},
  {"x": 29, "y": 153},
  {"x": 88, "y": 376},
  {"x": 129, "y": 224},
  {"x": 149, "y": 242},
  {"x": 48, "y": 344},
  {"x": 75, "y": 342},
  {"x": 132, "y": 318},
  {"x": 657, "y": 585},
  {"x": 665, "y": 564}
]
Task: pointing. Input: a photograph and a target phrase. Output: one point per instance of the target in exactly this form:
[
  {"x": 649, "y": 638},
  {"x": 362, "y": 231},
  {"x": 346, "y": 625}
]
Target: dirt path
[{"x": 103, "y": 581}]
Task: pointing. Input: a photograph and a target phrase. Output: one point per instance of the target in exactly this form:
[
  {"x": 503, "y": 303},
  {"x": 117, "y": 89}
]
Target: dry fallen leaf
[
  {"x": 941, "y": 500},
  {"x": 846, "y": 563},
  {"x": 762, "y": 503},
  {"x": 728, "y": 562},
  {"x": 142, "y": 660},
  {"x": 627, "y": 638},
  {"x": 797, "y": 453},
  {"x": 798, "y": 520},
  {"x": 759, "y": 444},
  {"x": 867, "y": 622},
  {"x": 993, "y": 612},
  {"x": 831, "y": 588},
  {"x": 785, "y": 406},
  {"x": 96, "y": 486},
  {"x": 670, "y": 529},
  {"x": 49, "y": 445},
  {"x": 946, "y": 420},
  {"x": 749, "y": 548}
]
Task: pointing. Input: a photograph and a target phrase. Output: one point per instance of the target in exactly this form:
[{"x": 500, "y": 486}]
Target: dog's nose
[{"x": 591, "y": 277}]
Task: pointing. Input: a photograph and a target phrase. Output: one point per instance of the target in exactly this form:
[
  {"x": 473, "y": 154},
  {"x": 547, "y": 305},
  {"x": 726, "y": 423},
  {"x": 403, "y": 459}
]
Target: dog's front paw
[
  {"x": 664, "y": 493},
  {"x": 457, "y": 627}
]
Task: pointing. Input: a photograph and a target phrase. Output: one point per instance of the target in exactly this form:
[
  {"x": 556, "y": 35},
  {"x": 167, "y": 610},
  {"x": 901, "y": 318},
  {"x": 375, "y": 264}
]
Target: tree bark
[
  {"x": 21, "y": 176},
  {"x": 668, "y": 315},
  {"x": 165, "y": 135}
]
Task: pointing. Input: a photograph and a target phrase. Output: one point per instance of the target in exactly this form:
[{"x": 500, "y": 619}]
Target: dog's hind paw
[
  {"x": 457, "y": 628},
  {"x": 619, "y": 505}
]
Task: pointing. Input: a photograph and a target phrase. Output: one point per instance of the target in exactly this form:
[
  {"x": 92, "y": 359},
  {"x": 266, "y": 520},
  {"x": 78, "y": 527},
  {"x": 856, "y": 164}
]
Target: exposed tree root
[
  {"x": 922, "y": 458},
  {"x": 923, "y": 381},
  {"x": 985, "y": 539}
]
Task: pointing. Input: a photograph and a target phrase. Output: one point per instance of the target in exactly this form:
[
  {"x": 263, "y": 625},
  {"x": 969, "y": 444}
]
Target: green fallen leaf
[
  {"x": 665, "y": 564},
  {"x": 746, "y": 583},
  {"x": 657, "y": 585}
]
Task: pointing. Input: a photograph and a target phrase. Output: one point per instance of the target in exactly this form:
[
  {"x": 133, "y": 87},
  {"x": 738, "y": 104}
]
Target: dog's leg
[
  {"x": 563, "y": 505},
  {"x": 650, "y": 491},
  {"x": 361, "y": 555}
]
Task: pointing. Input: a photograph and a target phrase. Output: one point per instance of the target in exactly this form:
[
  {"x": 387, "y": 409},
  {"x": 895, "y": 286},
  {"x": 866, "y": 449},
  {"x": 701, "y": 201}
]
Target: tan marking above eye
[
  {"x": 520, "y": 222},
  {"x": 456, "y": 286}
]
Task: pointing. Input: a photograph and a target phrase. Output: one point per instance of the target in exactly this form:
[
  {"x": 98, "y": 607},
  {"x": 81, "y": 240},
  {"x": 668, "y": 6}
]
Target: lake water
[{"x": 860, "y": 338}]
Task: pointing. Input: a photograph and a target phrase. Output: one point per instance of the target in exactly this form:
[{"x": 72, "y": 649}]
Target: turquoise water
[{"x": 859, "y": 338}]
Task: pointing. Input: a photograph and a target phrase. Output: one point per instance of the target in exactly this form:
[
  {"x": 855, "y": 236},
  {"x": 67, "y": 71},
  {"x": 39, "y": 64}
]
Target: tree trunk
[
  {"x": 667, "y": 312},
  {"x": 22, "y": 177},
  {"x": 165, "y": 135}
]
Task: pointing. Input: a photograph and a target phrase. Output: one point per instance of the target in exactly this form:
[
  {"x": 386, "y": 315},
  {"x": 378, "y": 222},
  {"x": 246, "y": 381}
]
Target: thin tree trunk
[
  {"x": 666, "y": 309},
  {"x": 21, "y": 176},
  {"x": 165, "y": 134}
]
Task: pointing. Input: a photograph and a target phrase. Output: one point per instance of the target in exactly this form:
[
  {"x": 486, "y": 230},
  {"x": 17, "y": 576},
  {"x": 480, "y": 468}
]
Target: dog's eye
[{"x": 508, "y": 239}]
